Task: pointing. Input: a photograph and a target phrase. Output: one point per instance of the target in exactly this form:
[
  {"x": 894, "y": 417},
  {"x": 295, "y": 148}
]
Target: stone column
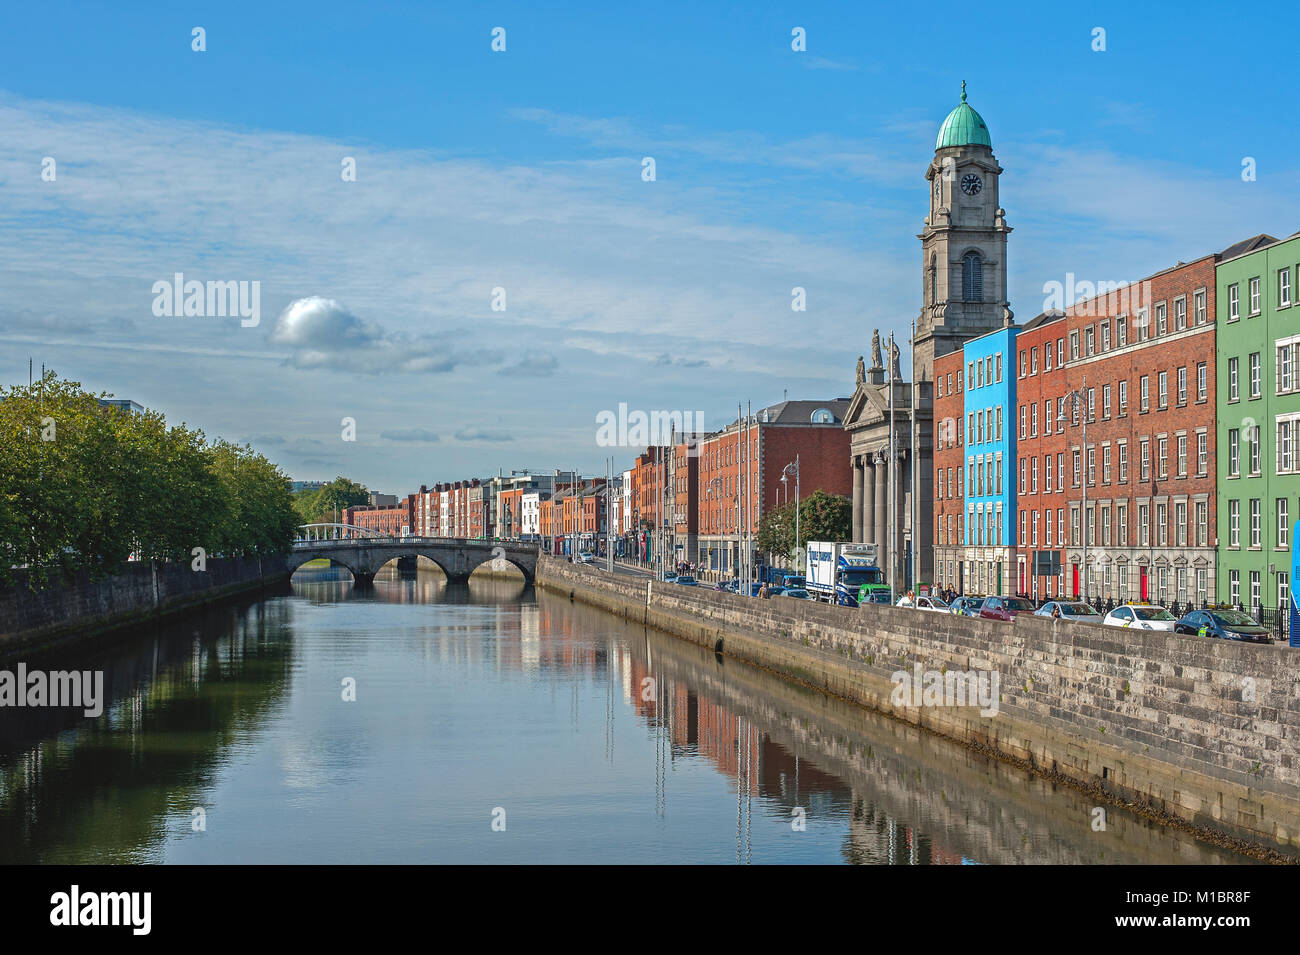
[
  {"x": 856, "y": 532},
  {"x": 881, "y": 535},
  {"x": 867, "y": 529}
]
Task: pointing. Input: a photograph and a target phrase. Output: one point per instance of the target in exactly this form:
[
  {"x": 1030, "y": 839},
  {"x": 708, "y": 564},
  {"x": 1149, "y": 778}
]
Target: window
[
  {"x": 1121, "y": 331},
  {"x": 1105, "y": 336},
  {"x": 997, "y": 367},
  {"x": 1162, "y": 525},
  {"x": 1254, "y": 522},
  {"x": 1282, "y": 528},
  {"x": 1202, "y": 383},
  {"x": 1047, "y": 475},
  {"x": 1163, "y": 390},
  {"x": 1233, "y": 391},
  {"x": 1033, "y": 477},
  {"x": 970, "y": 375},
  {"x": 1033, "y": 421},
  {"x": 1089, "y": 337},
  {"x": 1047, "y": 356},
  {"x": 1033, "y": 361},
  {"x": 1076, "y": 469},
  {"x": 1022, "y": 421},
  {"x": 1122, "y": 455},
  {"x": 1060, "y": 352},
  {"x": 1144, "y": 526},
  {"x": 1180, "y": 314},
  {"x": 1202, "y": 452},
  {"x": 1254, "y": 375},
  {"x": 1182, "y": 455},
  {"x": 1105, "y": 401},
  {"x": 1182, "y": 386},
  {"x": 1162, "y": 322},
  {"x": 1121, "y": 525},
  {"x": 999, "y": 422},
  {"x": 1145, "y": 458},
  {"x": 1105, "y": 464},
  {"x": 1092, "y": 466},
  {"x": 1234, "y": 303},
  {"x": 1234, "y": 452},
  {"x": 1234, "y": 578},
  {"x": 988, "y": 369},
  {"x": 972, "y": 278},
  {"x": 1284, "y": 452},
  {"x": 1202, "y": 524},
  {"x": 1143, "y": 325},
  {"x": 1252, "y": 435},
  {"x": 1282, "y": 366},
  {"x": 1060, "y": 471},
  {"x": 1074, "y": 345},
  {"x": 1254, "y": 296},
  {"x": 1284, "y": 287},
  {"x": 1198, "y": 304},
  {"x": 1162, "y": 455},
  {"x": 1144, "y": 398},
  {"x": 999, "y": 473},
  {"x": 1123, "y": 398}
]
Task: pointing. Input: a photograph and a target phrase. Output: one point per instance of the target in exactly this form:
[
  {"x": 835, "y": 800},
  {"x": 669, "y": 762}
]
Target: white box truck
[{"x": 845, "y": 573}]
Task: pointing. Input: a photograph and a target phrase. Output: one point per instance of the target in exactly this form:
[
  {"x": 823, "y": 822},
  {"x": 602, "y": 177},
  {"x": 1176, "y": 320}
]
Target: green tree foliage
[
  {"x": 327, "y": 502},
  {"x": 822, "y": 517},
  {"x": 83, "y": 486}
]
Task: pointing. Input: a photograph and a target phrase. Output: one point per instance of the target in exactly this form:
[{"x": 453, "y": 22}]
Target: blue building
[{"x": 990, "y": 403}]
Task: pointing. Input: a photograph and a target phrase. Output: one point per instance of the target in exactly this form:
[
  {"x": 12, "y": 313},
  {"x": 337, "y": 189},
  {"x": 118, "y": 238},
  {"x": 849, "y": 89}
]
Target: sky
[{"x": 515, "y": 179}]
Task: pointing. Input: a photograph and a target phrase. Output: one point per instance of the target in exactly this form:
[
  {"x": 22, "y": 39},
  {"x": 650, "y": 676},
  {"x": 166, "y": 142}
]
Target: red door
[
  {"x": 1142, "y": 583},
  {"x": 1075, "y": 575}
]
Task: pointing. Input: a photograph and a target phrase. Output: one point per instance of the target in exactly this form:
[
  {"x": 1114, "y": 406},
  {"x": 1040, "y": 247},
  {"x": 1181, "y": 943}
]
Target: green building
[{"x": 1257, "y": 359}]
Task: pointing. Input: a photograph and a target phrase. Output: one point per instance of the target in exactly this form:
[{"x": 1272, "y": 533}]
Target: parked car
[
  {"x": 686, "y": 581},
  {"x": 1224, "y": 624},
  {"x": 1005, "y": 608},
  {"x": 722, "y": 585},
  {"x": 669, "y": 577},
  {"x": 799, "y": 593},
  {"x": 586, "y": 557},
  {"x": 1070, "y": 610},
  {"x": 966, "y": 606},
  {"x": 923, "y": 602},
  {"x": 1141, "y": 617}
]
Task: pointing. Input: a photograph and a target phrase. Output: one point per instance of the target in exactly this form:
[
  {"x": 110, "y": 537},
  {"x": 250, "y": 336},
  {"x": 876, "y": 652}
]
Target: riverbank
[
  {"x": 1204, "y": 734},
  {"x": 39, "y": 619}
]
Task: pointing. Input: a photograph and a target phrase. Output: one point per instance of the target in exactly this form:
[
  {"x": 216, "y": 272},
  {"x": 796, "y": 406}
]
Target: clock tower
[{"x": 964, "y": 244}]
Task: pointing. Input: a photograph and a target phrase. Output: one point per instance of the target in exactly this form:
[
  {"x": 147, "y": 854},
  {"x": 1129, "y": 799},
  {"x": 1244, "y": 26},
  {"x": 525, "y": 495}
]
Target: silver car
[{"x": 1069, "y": 610}]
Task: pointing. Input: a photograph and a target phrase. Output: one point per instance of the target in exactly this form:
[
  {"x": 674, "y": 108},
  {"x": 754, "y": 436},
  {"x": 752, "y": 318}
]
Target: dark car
[
  {"x": 1005, "y": 608},
  {"x": 686, "y": 581},
  {"x": 1224, "y": 624}
]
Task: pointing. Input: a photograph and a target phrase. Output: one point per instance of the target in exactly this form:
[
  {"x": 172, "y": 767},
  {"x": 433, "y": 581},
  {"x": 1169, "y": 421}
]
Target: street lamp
[
  {"x": 793, "y": 468},
  {"x": 1078, "y": 399}
]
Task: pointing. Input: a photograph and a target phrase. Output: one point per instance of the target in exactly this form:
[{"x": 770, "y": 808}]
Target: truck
[{"x": 845, "y": 573}]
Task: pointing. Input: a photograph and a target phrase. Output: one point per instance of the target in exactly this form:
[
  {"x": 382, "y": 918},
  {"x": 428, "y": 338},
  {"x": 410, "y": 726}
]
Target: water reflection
[{"x": 601, "y": 741}]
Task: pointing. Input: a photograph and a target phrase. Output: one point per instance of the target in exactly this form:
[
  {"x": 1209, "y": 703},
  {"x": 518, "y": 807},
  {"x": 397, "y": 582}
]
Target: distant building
[
  {"x": 126, "y": 404},
  {"x": 296, "y": 486},
  {"x": 382, "y": 500}
]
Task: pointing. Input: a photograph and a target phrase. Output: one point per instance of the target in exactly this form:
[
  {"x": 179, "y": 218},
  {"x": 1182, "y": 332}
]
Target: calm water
[{"x": 602, "y": 742}]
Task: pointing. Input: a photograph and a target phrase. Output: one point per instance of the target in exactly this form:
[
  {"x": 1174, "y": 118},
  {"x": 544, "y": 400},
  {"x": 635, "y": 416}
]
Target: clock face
[{"x": 971, "y": 184}]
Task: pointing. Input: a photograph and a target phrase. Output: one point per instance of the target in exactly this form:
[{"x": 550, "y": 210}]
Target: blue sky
[{"x": 522, "y": 170}]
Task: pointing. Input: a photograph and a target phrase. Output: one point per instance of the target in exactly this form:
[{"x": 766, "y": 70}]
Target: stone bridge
[{"x": 458, "y": 557}]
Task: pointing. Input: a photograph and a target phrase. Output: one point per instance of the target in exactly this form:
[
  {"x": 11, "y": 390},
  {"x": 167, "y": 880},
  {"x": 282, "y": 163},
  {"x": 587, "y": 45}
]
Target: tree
[
  {"x": 822, "y": 517},
  {"x": 326, "y": 504}
]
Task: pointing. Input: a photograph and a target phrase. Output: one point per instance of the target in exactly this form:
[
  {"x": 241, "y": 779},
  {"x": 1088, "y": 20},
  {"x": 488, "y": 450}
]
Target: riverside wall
[
  {"x": 1199, "y": 731},
  {"x": 86, "y": 606}
]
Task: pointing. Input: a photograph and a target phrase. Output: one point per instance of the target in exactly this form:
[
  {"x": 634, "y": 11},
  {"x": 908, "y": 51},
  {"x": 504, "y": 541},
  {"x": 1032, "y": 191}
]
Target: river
[{"x": 418, "y": 722}]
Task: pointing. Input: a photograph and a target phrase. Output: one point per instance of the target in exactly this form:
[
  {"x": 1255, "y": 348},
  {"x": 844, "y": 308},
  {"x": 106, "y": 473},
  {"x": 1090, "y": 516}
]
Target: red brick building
[
  {"x": 396, "y": 520},
  {"x": 1142, "y": 357},
  {"x": 949, "y": 461},
  {"x": 740, "y": 470},
  {"x": 1041, "y": 446}
]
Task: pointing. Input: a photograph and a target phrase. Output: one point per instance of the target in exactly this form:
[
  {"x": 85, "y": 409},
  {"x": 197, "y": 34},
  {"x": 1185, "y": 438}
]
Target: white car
[
  {"x": 1141, "y": 617},
  {"x": 1069, "y": 610},
  {"x": 933, "y": 604}
]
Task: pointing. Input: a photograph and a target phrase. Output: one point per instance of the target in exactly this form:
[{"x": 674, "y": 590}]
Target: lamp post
[
  {"x": 793, "y": 468},
  {"x": 1078, "y": 399}
]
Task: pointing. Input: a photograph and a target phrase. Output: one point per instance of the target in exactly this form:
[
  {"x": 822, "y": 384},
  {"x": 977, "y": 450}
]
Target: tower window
[{"x": 972, "y": 278}]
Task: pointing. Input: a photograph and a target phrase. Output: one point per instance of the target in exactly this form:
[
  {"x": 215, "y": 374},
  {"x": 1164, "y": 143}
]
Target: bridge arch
[{"x": 457, "y": 558}]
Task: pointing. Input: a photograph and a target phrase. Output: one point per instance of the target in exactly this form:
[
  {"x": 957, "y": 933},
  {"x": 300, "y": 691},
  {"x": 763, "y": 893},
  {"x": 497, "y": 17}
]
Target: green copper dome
[{"x": 963, "y": 127}]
